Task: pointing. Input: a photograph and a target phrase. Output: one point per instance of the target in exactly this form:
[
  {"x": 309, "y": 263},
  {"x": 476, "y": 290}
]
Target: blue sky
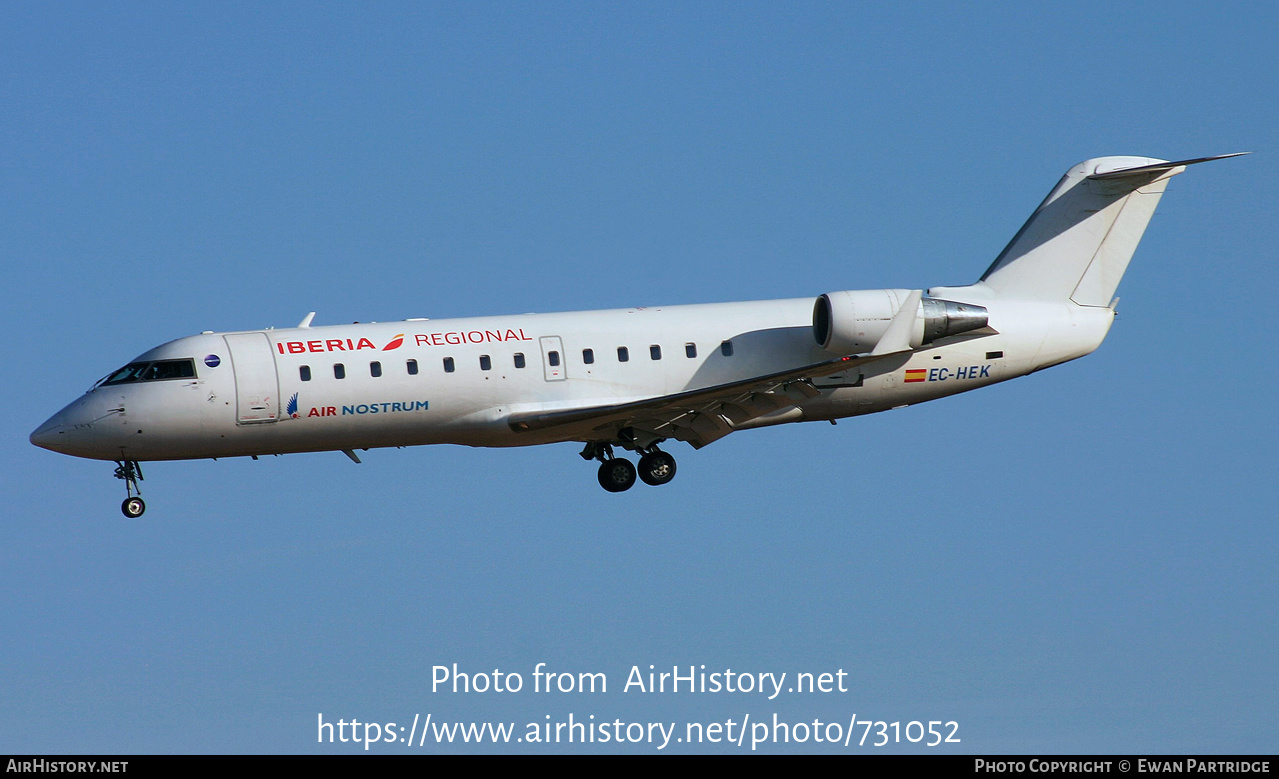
[{"x": 1077, "y": 561}]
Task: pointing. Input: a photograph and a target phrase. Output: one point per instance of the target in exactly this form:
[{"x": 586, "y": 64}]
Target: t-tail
[{"x": 1077, "y": 244}]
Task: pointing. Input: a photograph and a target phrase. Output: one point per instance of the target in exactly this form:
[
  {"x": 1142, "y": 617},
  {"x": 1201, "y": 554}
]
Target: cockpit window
[
  {"x": 170, "y": 369},
  {"x": 159, "y": 370},
  {"x": 131, "y": 372}
]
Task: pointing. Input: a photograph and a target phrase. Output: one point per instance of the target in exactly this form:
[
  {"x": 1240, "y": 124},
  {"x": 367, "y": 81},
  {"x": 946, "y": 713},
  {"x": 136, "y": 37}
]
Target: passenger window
[
  {"x": 726, "y": 348},
  {"x": 690, "y": 350},
  {"x": 588, "y": 356},
  {"x": 448, "y": 364},
  {"x": 553, "y": 358},
  {"x": 339, "y": 370},
  {"x": 623, "y": 354},
  {"x": 485, "y": 363},
  {"x": 412, "y": 366},
  {"x": 375, "y": 369},
  {"x": 304, "y": 372},
  {"x": 519, "y": 360},
  {"x": 655, "y": 352}
]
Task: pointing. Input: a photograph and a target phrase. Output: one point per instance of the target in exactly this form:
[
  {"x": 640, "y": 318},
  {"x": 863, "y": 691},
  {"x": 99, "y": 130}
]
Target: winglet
[
  {"x": 900, "y": 332},
  {"x": 307, "y": 321}
]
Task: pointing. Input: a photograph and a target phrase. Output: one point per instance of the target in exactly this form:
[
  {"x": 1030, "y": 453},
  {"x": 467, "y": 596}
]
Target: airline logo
[
  {"x": 395, "y": 343},
  {"x": 330, "y": 345},
  {"x": 471, "y": 337},
  {"x": 360, "y": 409},
  {"x": 355, "y": 409},
  {"x": 419, "y": 339}
]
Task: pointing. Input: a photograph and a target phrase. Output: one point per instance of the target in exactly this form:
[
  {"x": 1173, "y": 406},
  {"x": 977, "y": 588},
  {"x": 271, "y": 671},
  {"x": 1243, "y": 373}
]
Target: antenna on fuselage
[{"x": 306, "y": 321}]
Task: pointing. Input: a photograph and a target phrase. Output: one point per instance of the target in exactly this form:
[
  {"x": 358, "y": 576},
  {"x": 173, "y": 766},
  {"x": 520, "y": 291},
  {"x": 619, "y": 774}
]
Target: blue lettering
[
  {"x": 985, "y": 371},
  {"x": 387, "y": 408},
  {"x": 961, "y": 373}
]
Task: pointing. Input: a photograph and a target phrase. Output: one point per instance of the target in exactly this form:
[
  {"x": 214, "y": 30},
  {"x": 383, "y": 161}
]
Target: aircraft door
[
  {"x": 553, "y": 358},
  {"x": 257, "y": 388}
]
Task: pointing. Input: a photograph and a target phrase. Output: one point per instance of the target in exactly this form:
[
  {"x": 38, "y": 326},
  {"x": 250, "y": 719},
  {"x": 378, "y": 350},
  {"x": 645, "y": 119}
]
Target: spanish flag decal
[{"x": 916, "y": 374}]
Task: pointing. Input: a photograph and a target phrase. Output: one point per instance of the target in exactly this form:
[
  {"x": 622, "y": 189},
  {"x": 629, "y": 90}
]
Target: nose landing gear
[{"x": 131, "y": 472}]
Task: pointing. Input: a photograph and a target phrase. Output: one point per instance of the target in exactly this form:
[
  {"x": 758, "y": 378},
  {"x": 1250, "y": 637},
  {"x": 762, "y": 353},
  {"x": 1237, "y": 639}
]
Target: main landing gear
[
  {"x": 617, "y": 474},
  {"x": 131, "y": 472}
]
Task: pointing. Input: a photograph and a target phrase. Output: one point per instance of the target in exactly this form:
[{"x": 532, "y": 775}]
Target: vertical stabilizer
[{"x": 1077, "y": 244}]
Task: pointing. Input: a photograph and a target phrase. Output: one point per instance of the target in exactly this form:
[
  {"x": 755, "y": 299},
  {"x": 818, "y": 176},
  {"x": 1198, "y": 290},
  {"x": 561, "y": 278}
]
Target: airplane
[{"x": 629, "y": 379}]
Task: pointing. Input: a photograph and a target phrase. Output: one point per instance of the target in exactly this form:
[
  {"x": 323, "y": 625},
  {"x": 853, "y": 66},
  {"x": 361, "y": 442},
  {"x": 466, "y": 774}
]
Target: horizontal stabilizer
[{"x": 1160, "y": 167}]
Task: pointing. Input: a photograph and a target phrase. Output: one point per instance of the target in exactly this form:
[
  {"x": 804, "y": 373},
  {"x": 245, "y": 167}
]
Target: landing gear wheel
[
  {"x": 656, "y": 468},
  {"x": 617, "y": 475},
  {"x": 130, "y": 472}
]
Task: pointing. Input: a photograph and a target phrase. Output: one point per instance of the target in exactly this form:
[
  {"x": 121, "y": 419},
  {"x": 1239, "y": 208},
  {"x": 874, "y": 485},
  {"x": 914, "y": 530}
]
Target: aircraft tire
[
  {"x": 656, "y": 468},
  {"x": 617, "y": 475},
  {"x": 133, "y": 507}
]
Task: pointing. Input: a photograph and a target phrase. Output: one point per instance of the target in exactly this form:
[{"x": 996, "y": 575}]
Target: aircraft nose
[
  {"x": 54, "y": 433},
  {"x": 70, "y": 431},
  {"x": 45, "y": 435}
]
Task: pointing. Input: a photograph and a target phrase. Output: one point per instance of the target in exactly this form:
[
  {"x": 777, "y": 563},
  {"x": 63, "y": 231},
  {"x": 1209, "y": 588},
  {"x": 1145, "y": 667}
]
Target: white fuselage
[{"x": 425, "y": 381}]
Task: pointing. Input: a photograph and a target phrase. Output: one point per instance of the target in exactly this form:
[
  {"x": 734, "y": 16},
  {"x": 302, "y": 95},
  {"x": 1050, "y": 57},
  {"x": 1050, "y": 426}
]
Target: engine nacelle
[{"x": 853, "y": 321}]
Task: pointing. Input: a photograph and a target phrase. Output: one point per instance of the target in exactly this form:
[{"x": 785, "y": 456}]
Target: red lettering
[
  {"x": 453, "y": 338},
  {"x": 334, "y": 345},
  {"x": 365, "y": 344},
  {"x": 296, "y": 347},
  {"x": 315, "y": 346},
  {"x": 314, "y": 412},
  {"x": 331, "y": 411},
  {"x": 280, "y": 347}
]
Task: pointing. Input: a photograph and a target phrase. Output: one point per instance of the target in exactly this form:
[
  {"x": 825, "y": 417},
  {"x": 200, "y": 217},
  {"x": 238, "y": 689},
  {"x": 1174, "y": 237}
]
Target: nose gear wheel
[{"x": 131, "y": 472}]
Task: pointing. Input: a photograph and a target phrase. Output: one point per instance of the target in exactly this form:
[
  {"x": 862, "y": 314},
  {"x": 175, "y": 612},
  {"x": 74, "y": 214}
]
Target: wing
[
  {"x": 700, "y": 416},
  {"x": 703, "y": 415}
]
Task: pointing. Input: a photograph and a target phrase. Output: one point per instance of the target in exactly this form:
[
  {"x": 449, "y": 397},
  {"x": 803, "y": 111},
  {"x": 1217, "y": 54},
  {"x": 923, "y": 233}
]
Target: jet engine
[{"x": 853, "y": 321}]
